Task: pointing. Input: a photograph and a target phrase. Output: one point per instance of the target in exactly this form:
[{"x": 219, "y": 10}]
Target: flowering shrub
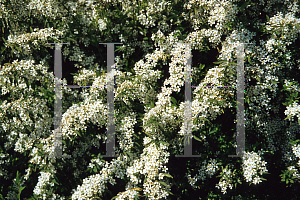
[{"x": 149, "y": 101}]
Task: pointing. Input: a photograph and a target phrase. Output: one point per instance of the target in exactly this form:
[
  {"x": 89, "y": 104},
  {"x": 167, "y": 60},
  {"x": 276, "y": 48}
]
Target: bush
[{"x": 149, "y": 119}]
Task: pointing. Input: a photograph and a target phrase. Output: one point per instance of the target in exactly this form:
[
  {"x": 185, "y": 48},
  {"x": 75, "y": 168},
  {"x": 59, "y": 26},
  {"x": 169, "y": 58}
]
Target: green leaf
[
  {"x": 201, "y": 118},
  {"x": 169, "y": 192},
  {"x": 152, "y": 105},
  {"x": 129, "y": 154},
  {"x": 136, "y": 197},
  {"x": 249, "y": 60},
  {"x": 77, "y": 132},
  {"x": 201, "y": 66},
  {"x": 163, "y": 183},
  {"x": 3, "y": 49},
  {"x": 167, "y": 175},
  {"x": 292, "y": 143},
  {"x": 288, "y": 117},
  {"x": 278, "y": 65},
  {"x": 214, "y": 131},
  {"x": 19, "y": 49},
  {"x": 152, "y": 141},
  {"x": 270, "y": 88},
  {"x": 31, "y": 29},
  {"x": 130, "y": 96},
  {"x": 244, "y": 5},
  {"x": 220, "y": 61},
  {"x": 54, "y": 181},
  {"x": 71, "y": 39},
  {"x": 162, "y": 142},
  {"x": 136, "y": 135},
  {"x": 146, "y": 195},
  {"x": 174, "y": 100},
  {"x": 258, "y": 78},
  {"x": 196, "y": 138}
]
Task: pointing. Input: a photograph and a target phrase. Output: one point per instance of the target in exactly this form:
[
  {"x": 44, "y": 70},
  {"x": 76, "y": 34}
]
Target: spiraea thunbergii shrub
[{"x": 149, "y": 99}]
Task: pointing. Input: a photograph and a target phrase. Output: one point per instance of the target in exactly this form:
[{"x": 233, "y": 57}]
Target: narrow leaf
[
  {"x": 169, "y": 192},
  {"x": 168, "y": 175},
  {"x": 196, "y": 138},
  {"x": 288, "y": 117},
  {"x": 173, "y": 100},
  {"x": 3, "y": 39},
  {"x": 138, "y": 189},
  {"x": 220, "y": 61},
  {"x": 71, "y": 39},
  {"x": 162, "y": 142},
  {"x": 163, "y": 183}
]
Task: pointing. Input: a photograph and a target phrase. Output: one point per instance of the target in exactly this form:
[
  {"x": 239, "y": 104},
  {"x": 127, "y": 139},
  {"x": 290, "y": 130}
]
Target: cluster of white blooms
[
  {"x": 42, "y": 181},
  {"x": 83, "y": 76},
  {"x": 153, "y": 8},
  {"x": 77, "y": 116},
  {"x": 216, "y": 11},
  {"x": 39, "y": 35},
  {"x": 225, "y": 180},
  {"x": 296, "y": 151},
  {"x": 252, "y": 165},
  {"x": 3, "y": 172},
  {"x": 280, "y": 23},
  {"x": 152, "y": 161},
  {"x": 102, "y": 24},
  {"x": 79, "y": 55},
  {"x": 128, "y": 194},
  {"x": 209, "y": 169},
  {"x": 96, "y": 184},
  {"x": 127, "y": 129},
  {"x": 24, "y": 104},
  {"x": 48, "y": 8},
  {"x": 295, "y": 171},
  {"x": 291, "y": 85},
  {"x": 293, "y": 110},
  {"x": 164, "y": 26}
]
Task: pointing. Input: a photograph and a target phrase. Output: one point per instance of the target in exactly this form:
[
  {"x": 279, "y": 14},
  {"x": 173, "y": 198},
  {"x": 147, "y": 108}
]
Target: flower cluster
[
  {"x": 293, "y": 110},
  {"x": 36, "y": 37},
  {"x": 296, "y": 151},
  {"x": 209, "y": 169},
  {"x": 225, "y": 181},
  {"x": 252, "y": 165}
]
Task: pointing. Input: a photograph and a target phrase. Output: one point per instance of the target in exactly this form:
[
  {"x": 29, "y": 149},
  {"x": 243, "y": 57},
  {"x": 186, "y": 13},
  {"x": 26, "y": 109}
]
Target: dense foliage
[{"x": 149, "y": 99}]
